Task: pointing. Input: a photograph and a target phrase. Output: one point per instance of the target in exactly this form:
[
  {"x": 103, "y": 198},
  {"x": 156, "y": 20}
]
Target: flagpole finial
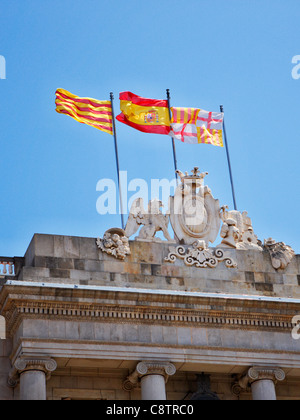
[
  {"x": 221, "y": 108},
  {"x": 168, "y": 93},
  {"x": 111, "y": 95}
]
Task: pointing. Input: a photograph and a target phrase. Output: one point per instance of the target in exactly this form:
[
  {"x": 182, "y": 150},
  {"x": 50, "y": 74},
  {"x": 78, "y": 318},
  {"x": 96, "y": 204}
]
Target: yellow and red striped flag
[
  {"x": 194, "y": 125},
  {"x": 144, "y": 114},
  {"x": 89, "y": 111}
]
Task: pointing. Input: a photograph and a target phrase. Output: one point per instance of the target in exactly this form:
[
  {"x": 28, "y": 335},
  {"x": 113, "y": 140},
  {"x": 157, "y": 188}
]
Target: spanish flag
[
  {"x": 143, "y": 114},
  {"x": 89, "y": 111}
]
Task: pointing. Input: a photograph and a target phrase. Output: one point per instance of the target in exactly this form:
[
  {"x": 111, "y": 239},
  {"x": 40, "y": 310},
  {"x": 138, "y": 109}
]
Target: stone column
[
  {"x": 153, "y": 376},
  {"x": 263, "y": 380},
  {"x": 33, "y": 375}
]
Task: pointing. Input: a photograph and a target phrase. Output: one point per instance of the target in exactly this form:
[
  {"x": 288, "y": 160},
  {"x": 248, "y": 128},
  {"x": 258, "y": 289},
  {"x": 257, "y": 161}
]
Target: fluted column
[
  {"x": 153, "y": 377},
  {"x": 263, "y": 382},
  {"x": 33, "y": 374}
]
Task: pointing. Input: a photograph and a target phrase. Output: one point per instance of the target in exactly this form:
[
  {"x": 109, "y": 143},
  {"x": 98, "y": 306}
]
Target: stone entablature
[{"x": 40, "y": 302}]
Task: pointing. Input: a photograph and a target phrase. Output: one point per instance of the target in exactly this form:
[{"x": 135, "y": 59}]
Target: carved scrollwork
[
  {"x": 165, "y": 369},
  {"x": 24, "y": 364},
  {"x": 200, "y": 256}
]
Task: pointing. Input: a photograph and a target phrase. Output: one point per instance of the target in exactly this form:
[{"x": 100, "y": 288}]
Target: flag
[
  {"x": 193, "y": 125},
  {"x": 89, "y": 111},
  {"x": 143, "y": 114}
]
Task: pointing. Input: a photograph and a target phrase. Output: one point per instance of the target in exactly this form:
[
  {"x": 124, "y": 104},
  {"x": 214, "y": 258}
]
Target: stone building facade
[
  {"x": 120, "y": 319},
  {"x": 83, "y": 325}
]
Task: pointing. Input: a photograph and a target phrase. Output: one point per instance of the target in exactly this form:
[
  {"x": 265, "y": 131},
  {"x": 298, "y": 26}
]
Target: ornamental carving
[
  {"x": 165, "y": 369},
  {"x": 281, "y": 254},
  {"x": 237, "y": 231},
  {"x": 114, "y": 243},
  {"x": 195, "y": 217},
  {"x": 194, "y": 213},
  {"x": 150, "y": 221},
  {"x": 256, "y": 373},
  {"x": 200, "y": 256},
  {"x": 24, "y": 364}
]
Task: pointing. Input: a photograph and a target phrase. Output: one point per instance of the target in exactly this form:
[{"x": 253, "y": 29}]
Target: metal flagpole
[
  {"x": 228, "y": 160},
  {"x": 173, "y": 141},
  {"x": 117, "y": 157}
]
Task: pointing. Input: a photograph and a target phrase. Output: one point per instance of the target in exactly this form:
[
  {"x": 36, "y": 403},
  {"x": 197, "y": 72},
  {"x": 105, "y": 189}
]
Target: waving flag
[
  {"x": 89, "y": 111},
  {"x": 193, "y": 125},
  {"x": 143, "y": 114}
]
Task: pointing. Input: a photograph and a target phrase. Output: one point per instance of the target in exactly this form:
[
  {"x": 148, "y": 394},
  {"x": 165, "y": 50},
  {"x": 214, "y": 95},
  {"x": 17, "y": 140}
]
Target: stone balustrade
[
  {"x": 7, "y": 267},
  {"x": 10, "y": 266}
]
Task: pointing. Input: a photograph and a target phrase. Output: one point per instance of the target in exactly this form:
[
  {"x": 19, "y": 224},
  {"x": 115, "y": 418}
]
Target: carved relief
[
  {"x": 195, "y": 217},
  {"x": 152, "y": 221},
  {"x": 200, "y": 256},
  {"x": 237, "y": 230},
  {"x": 281, "y": 254},
  {"x": 114, "y": 243},
  {"x": 194, "y": 213}
]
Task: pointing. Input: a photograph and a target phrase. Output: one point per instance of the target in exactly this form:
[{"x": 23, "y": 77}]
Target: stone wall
[{"x": 75, "y": 260}]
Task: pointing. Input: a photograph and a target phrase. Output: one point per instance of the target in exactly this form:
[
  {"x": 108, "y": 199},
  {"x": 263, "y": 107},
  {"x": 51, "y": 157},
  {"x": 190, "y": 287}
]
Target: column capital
[
  {"x": 257, "y": 373},
  {"x": 46, "y": 365},
  {"x": 144, "y": 368}
]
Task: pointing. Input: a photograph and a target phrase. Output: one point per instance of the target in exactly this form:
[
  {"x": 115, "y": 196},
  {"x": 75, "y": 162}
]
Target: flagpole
[
  {"x": 228, "y": 160},
  {"x": 173, "y": 141},
  {"x": 117, "y": 158}
]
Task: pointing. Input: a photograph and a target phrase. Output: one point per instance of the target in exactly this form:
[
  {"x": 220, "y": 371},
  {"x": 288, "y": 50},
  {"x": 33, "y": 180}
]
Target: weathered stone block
[
  {"x": 184, "y": 336},
  {"x": 59, "y": 273}
]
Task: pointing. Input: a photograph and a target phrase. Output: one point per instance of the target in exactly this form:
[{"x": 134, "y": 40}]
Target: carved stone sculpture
[
  {"x": 230, "y": 233},
  {"x": 237, "y": 230},
  {"x": 281, "y": 254},
  {"x": 194, "y": 213},
  {"x": 152, "y": 221},
  {"x": 114, "y": 243},
  {"x": 199, "y": 256}
]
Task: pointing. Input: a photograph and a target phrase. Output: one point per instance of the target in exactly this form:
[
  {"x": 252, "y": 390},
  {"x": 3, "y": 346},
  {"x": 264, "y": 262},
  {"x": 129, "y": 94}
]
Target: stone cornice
[
  {"x": 21, "y": 302},
  {"x": 16, "y": 310},
  {"x": 89, "y": 294}
]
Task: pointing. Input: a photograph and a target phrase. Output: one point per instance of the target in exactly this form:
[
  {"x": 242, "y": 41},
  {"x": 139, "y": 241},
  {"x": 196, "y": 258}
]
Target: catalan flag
[
  {"x": 143, "y": 114},
  {"x": 194, "y": 125},
  {"x": 89, "y": 111}
]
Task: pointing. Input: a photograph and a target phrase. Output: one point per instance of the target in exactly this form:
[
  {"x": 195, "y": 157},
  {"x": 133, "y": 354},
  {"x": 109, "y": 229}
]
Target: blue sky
[{"x": 235, "y": 52}]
